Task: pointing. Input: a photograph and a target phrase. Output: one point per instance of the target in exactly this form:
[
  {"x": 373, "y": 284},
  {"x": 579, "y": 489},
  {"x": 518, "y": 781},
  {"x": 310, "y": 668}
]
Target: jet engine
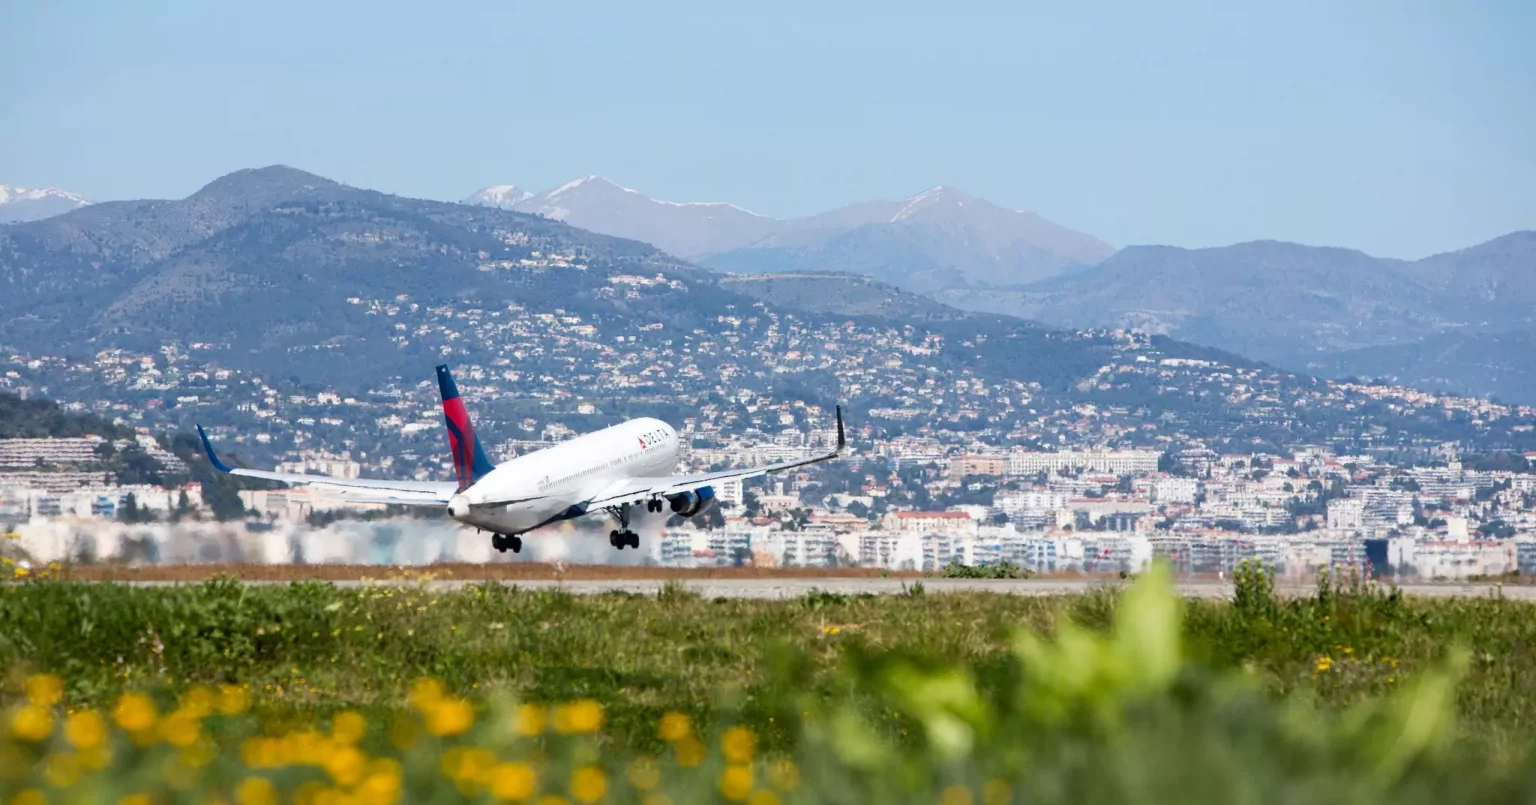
[{"x": 693, "y": 502}]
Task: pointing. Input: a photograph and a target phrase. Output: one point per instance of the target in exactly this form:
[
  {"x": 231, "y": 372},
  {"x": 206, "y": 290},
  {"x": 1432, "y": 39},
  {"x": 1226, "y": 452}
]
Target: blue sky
[{"x": 1402, "y": 128}]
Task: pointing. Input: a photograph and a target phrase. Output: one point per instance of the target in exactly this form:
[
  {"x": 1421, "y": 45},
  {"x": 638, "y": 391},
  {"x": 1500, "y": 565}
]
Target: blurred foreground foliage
[{"x": 177, "y": 695}]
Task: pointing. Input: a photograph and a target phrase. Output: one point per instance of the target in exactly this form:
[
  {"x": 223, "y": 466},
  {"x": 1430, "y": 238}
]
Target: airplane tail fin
[{"x": 469, "y": 461}]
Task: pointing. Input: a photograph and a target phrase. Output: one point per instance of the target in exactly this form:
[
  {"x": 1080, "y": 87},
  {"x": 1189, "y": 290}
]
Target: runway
[{"x": 788, "y": 588}]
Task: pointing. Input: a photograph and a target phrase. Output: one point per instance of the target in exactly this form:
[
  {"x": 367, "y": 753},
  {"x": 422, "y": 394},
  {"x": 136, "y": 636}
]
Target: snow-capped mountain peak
[
  {"x": 18, "y": 204},
  {"x": 501, "y": 196}
]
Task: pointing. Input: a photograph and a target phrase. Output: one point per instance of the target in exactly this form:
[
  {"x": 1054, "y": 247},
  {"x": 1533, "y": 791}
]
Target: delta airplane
[{"x": 609, "y": 470}]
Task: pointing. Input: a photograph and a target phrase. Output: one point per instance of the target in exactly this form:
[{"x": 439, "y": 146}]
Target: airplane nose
[{"x": 458, "y": 506}]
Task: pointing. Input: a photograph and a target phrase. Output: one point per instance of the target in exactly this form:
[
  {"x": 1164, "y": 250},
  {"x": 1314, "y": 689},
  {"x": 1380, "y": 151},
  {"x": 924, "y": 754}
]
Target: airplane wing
[
  {"x": 404, "y": 493},
  {"x": 633, "y": 490}
]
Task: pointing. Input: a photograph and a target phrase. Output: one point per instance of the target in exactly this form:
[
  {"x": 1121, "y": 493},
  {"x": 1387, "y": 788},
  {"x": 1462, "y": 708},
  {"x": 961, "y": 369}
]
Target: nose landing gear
[{"x": 505, "y": 542}]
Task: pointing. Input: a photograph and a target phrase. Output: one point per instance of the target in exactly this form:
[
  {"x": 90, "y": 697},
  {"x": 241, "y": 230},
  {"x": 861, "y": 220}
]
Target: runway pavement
[{"x": 769, "y": 589}]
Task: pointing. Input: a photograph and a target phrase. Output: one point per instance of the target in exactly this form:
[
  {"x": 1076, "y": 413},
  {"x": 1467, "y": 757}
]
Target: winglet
[
  {"x": 841, "y": 442},
  {"x": 213, "y": 458}
]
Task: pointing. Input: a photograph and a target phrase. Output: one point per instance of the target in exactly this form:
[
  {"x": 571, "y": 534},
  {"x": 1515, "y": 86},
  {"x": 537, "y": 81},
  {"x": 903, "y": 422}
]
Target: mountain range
[
  {"x": 1450, "y": 321},
  {"x": 18, "y": 204},
  {"x": 298, "y": 279},
  {"x": 935, "y": 240}
]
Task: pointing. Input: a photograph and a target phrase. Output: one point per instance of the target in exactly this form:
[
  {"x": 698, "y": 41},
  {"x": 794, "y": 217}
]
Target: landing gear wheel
[
  {"x": 499, "y": 542},
  {"x": 634, "y": 540},
  {"x": 613, "y": 539},
  {"x": 516, "y": 543},
  {"x": 653, "y": 506}
]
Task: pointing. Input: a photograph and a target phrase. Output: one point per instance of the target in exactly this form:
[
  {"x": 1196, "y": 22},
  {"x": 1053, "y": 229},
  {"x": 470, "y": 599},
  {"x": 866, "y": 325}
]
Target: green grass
[
  {"x": 315, "y": 647},
  {"x": 1354, "y": 694}
]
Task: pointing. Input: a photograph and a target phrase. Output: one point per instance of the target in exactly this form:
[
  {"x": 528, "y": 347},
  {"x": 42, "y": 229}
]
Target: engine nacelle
[{"x": 693, "y": 502}]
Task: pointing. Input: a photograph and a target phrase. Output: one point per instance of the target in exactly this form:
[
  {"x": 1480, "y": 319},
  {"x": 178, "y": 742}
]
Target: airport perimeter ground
[
  {"x": 725, "y": 582},
  {"x": 1074, "y": 690}
]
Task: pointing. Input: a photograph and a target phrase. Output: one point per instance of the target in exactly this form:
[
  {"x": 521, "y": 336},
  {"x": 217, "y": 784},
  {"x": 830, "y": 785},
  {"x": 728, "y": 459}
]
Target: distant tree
[
  {"x": 183, "y": 505},
  {"x": 858, "y": 509},
  {"x": 129, "y": 511}
]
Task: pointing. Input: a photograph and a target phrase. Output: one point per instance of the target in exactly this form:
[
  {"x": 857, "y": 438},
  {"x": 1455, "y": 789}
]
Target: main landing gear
[
  {"x": 505, "y": 542},
  {"x": 622, "y": 537}
]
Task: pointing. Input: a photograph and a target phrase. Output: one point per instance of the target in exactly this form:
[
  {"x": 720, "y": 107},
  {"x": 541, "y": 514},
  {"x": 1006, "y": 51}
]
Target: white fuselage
[{"x": 570, "y": 471}]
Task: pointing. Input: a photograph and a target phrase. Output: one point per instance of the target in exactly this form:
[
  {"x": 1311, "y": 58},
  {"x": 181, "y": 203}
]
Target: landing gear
[
  {"x": 622, "y": 537},
  {"x": 505, "y": 542},
  {"x": 654, "y": 505}
]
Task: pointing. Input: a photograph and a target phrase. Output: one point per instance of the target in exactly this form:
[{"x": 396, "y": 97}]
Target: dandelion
[
  {"x": 29, "y": 796},
  {"x": 32, "y": 723},
  {"x": 996, "y": 792},
  {"x": 256, "y": 791},
  {"x": 644, "y": 774},
  {"x": 955, "y": 795},
  {"x": 1324, "y": 663},
  {"x": 383, "y": 784},
  {"x": 346, "y": 765},
  {"x": 180, "y": 728},
  {"x": 673, "y": 727},
  {"x": 579, "y": 717},
  {"x": 738, "y": 743},
  {"x": 588, "y": 784},
  {"x": 85, "y": 729},
  {"x": 784, "y": 775},
  {"x": 762, "y": 796},
  {"x": 199, "y": 701},
  {"x": 513, "y": 781},
  {"x": 348, "y": 727},
  {"x": 690, "y": 751},
  {"x": 62, "y": 770},
  {"x": 425, "y": 693},
  {"x": 134, "y": 712},
  {"x": 735, "y": 782},
  {"x": 449, "y": 717},
  {"x": 529, "y": 720},
  {"x": 44, "y": 690}
]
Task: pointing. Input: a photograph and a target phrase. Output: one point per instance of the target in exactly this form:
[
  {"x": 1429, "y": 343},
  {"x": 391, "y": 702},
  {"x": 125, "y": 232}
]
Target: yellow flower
[
  {"x": 348, "y": 727},
  {"x": 32, "y": 723},
  {"x": 784, "y": 775},
  {"x": 135, "y": 712},
  {"x": 62, "y": 770},
  {"x": 44, "y": 690},
  {"x": 955, "y": 795},
  {"x": 690, "y": 751},
  {"x": 199, "y": 701},
  {"x": 644, "y": 774},
  {"x": 1324, "y": 663},
  {"x": 402, "y": 733},
  {"x": 180, "y": 728},
  {"x": 346, "y": 765},
  {"x": 588, "y": 784},
  {"x": 736, "y": 782},
  {"x": 996, "y": 792},
  {"x": 426, "y": 694},
  {"x": 29, "y": 796},
  {"x": 256, "y": 791},
  {"x": 234, "y": 699},
  {"x": 383, "y": 784},
  {"x": 551, "y": 799},
  {"x": 22, "y": 572},
  {"x": 198, "y": 754},
  {"x": 85, "y": 729},
  {"x": 763, "y": 796},
  {"x": 655, "y": 798},
  {"x": 529, "y": 720},
  {"x": 673, "y": 727},
  {"x": 449, "y": 717},
  {"x": 513, "y": 781},
  {"x": 738, "y": 743},
  {"x": 577, "y": 717}
]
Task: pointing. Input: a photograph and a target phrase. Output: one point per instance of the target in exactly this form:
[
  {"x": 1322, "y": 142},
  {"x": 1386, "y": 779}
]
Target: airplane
[{"x": 609, "y": 470}]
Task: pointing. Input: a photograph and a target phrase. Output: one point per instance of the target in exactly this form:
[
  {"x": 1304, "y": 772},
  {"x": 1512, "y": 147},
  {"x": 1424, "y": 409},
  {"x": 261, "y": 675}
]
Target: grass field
[{"x": 1351, "y": 694}]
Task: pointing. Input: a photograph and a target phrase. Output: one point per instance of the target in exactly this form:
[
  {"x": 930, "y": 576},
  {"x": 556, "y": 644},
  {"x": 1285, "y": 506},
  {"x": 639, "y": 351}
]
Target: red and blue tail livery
[{"x": 469, "y": 461}]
